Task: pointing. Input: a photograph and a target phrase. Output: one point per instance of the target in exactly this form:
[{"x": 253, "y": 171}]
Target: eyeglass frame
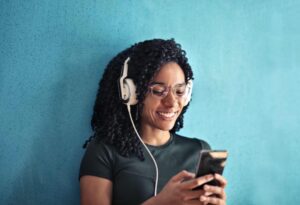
[{"x": 167, "y": 89}]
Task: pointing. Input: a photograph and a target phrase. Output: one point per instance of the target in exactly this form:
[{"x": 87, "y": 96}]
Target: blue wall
[{"x": 246, "y": 60}]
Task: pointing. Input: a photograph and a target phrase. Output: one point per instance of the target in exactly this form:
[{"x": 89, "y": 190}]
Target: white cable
[{"x": 154, "y": 162}]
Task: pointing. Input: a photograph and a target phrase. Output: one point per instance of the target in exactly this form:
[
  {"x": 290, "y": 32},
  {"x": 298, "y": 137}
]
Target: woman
[{"x": 152, "y": 164}]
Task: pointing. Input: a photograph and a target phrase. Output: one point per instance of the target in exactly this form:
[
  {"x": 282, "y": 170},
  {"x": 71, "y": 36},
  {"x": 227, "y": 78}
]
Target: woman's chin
[{"x": 166, "y": 126}]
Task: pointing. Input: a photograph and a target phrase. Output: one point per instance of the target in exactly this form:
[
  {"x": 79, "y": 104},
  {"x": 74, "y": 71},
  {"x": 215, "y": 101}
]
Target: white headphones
[
  {"x": 189, "y": 94},
  {"x": 127, "y": 88}
]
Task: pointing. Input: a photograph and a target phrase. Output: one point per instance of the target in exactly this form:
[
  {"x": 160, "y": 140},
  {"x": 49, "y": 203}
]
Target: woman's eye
[
  {"x": 158, "y": 92},
  {"x": 180, "y": 91}
]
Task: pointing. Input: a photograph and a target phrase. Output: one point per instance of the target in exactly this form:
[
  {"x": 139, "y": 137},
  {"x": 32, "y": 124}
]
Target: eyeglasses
[{"x": 160, "y": 91}]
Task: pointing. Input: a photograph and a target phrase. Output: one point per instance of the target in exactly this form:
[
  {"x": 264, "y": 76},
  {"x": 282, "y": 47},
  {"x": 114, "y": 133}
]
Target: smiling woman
[{"x": 141, "y": 160}]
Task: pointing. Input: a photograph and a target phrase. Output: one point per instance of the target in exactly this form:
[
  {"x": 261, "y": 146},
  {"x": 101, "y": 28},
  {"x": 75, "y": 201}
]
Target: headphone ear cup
[
  {"x": 124, "y": 91},
  {"x": 130, "y": 92},
  {"x": 127, "y": 89},
  {"x": 189, "y": 94}
]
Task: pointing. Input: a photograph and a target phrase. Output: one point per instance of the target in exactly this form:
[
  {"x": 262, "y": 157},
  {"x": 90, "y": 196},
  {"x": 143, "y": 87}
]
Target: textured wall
[{"x": 245, "y": 56}]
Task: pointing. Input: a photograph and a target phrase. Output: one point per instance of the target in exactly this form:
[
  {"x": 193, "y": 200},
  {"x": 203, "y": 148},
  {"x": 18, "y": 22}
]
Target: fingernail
[
  {"x": 206, "y": 188},
  {"x": 202, "y": 198}
]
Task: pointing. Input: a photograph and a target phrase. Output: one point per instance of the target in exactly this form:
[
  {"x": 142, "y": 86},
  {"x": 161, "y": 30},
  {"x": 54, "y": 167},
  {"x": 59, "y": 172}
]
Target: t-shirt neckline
[{"x": 163, "y": 145}]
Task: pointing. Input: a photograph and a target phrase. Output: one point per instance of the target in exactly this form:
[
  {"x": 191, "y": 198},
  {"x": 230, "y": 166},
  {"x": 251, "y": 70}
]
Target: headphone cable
[{"x": 150, "y": 154}]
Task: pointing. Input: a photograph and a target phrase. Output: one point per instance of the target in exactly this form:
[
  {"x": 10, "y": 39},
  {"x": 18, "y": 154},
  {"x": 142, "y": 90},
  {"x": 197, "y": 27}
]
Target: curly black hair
[{"x": 110, "y": 121}]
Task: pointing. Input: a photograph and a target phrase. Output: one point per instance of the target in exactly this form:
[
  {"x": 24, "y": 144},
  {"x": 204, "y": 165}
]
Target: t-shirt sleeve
[
  {"x": 97, "y": 161},
  {"x": 205, "y": 145}
]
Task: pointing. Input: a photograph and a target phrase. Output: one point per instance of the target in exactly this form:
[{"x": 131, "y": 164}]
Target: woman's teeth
[{"x": 167, "y": 114}]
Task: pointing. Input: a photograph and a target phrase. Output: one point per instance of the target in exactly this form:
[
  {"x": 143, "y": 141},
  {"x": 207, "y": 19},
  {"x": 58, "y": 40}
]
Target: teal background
[{"x": 245, "y": 56}]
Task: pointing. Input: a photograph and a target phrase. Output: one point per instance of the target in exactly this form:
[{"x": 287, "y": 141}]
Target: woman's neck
[{"x": 155, "y": 137}]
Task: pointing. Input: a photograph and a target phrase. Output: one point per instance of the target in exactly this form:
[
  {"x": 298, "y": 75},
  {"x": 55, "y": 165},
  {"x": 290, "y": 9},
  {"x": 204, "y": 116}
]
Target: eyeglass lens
[{"x": 163, "y": 90}]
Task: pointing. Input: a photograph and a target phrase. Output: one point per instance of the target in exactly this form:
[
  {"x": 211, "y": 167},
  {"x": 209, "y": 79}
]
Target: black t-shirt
[{"x": 133, "y": 179}]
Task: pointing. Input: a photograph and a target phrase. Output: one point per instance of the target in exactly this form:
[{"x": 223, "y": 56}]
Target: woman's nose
[{"x": 170, "y": 99}]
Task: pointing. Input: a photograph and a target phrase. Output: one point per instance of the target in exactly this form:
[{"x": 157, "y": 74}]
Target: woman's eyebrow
[
  {"x": 156, "y": 83},
  {"x": 162, "y": 83}
]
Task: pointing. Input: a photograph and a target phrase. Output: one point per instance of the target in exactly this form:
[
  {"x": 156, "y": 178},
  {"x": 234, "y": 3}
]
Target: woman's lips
[{"x": 167, "y": 115}]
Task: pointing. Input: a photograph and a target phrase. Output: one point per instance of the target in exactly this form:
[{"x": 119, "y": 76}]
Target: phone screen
[{"x": 211, "y": 162}]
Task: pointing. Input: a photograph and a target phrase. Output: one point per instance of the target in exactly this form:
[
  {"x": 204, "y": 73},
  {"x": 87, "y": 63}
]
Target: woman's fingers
[
  {"x": 206, "y": 193},
  {"x": 221, "y": 179},
  {"x": 193, "y": 194},
  {"x": 212, "y": 200},
  {"x": 215, "y": 191},
  {"x": 191, "y": 184},
  {"x": 183, "y": 175}
]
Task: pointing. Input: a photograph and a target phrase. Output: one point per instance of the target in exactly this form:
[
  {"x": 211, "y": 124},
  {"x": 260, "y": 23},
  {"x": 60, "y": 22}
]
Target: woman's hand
[
  {"x": 215, "y": 194},
  {"x": 180, "y": 190}
]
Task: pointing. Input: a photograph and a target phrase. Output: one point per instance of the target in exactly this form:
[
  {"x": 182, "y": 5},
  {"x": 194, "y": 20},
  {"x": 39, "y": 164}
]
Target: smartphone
[{"x": 211, "y": 162}]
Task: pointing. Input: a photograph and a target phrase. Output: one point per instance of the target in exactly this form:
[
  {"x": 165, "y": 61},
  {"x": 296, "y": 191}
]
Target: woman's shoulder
[
  {"x": 98, "y": 160},
  {"x": 183, "y": 140},
  {"x": 100, "y": 146}
]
